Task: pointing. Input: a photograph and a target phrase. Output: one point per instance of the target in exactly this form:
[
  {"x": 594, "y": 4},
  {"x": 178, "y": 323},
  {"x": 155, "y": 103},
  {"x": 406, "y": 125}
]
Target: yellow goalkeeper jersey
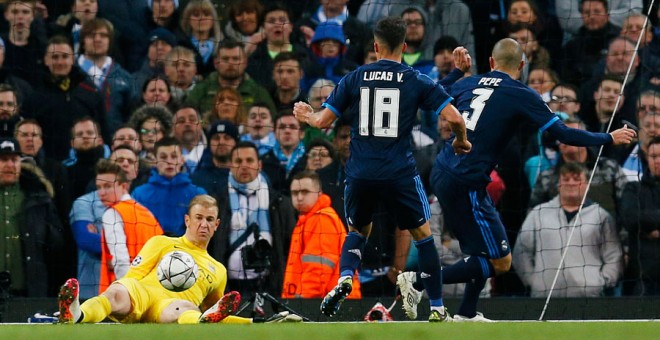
[{"x": 211, "y": 279}]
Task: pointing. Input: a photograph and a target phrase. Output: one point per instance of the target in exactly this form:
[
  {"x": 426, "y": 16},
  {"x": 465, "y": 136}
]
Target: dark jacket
[
  {"x": 581, "y": 53},
  {"x": 260, "y": 64},
  {"x": 82, "y": 169},
  {"x": 42, "y": 235},
  {"x": 282, "y": 221},
  {"x": 59, "y": 108},
  {"x": 276, "y": 174}
]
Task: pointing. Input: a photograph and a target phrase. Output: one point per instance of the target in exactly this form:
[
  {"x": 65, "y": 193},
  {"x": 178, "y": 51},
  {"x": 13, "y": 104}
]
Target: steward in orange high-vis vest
[
  {"x": 139, "y": 226},
  {"x": 313, "y": 264}
]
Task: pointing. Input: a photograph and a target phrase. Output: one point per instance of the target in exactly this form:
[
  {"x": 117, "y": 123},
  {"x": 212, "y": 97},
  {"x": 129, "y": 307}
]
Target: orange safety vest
[
  {"x": 139, "y": 226},
  {"x": 312, "y": 268}
]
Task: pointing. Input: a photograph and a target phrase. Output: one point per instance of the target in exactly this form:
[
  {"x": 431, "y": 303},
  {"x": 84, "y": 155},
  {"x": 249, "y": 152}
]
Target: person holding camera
[{"x": 312, "y": 268}]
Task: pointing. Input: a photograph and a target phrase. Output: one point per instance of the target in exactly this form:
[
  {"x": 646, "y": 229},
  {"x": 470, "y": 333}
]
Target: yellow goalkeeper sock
[
  {"x": 189, "y": 317},
  {"x": 236, "y": 320},
  {"x": 95, "y": 309}
]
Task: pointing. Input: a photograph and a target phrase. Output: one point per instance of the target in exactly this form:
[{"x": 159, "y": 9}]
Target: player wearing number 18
[
  {"x": 494, "y": 105},
  {"x": 380, "y": 100}
]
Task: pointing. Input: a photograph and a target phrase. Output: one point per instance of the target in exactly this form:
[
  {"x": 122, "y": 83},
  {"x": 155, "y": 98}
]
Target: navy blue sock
[
  {"x": 471, "y": 268},
  {"x": 468, "y": 306},
  {"x": 429, "y": 266},
  {"x": 351, "y": 253}
]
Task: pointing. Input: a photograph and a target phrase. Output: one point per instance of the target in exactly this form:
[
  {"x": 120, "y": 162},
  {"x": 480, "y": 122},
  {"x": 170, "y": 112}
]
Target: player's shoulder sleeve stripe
[
  {"x": 548, "y": 124},
  {"x": 437, "y": 112},
  {"x": 332, "y": 108}
]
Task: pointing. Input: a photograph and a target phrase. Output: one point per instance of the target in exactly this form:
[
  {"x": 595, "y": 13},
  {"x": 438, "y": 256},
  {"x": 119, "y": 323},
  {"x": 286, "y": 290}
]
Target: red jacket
[
  {"x": 312, "y": 268},
  {"x": 139, "y": 226}
]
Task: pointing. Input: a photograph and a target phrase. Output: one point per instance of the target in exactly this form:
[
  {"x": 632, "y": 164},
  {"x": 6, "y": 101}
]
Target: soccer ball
[{"x": 177, "y": 271}]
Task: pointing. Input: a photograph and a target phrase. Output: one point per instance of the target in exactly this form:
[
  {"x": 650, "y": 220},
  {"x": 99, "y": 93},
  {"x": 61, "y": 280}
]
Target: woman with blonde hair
[{"x": 201, "y": 26}]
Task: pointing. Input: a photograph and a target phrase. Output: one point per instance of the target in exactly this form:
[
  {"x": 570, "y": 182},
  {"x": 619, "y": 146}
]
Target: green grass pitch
[{"x": 335, "y": 331}]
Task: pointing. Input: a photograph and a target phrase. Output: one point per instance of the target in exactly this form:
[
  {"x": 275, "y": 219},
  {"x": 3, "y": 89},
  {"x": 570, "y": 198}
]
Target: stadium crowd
[{"x": 196, "y": 96}]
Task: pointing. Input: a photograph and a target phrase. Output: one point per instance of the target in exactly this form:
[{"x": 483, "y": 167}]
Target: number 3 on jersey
[
  {"x": 477, "y": 105},
  {"x": 385, "y": 112}
]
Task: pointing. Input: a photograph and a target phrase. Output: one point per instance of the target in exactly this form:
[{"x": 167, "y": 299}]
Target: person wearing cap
[
  {"x": 32, "y": 231},
  {"x": 161, "y": 42},
  {"x": 213, "y": 168}
]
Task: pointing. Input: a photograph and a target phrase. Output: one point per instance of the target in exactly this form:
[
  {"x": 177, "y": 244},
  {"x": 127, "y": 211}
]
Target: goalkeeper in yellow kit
[{"x": 139, "y": 296}]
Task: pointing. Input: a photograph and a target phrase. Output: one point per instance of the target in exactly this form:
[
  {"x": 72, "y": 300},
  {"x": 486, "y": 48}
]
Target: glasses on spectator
[
  {"x": 149, "y": 131},
  {"x": 563, "y": 99},
  {"x": 120, "y": 160},
  {"x": 321, "y": 154},
  {"x": 417, "y": 22},
  {"x": 304, "y": 192},
  {"x": 287, "y": 126}
]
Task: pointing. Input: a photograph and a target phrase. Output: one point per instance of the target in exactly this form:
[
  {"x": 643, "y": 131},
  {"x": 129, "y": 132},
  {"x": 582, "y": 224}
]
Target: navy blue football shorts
[
  {"x": 471, "y": 216},
  {"x": 404, "y": 199}
]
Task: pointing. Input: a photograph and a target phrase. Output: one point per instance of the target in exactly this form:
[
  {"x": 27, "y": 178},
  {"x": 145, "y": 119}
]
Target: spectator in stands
[
  {"x": 228, "y": 106},
  {"x": 357, "y": 33},
  {"x": 9, "y": 110},
  {"x": 87, "y": 147},
  {"x": 24, "y": 46},
  {"x": 608, "y": 180},
  {"x": 542, "y": 80},
  {"x": 544, "y": 25},
  {"x": 316, "y": 96},
  {"x": 328, "y": 55},
  {"x": 333, "y": 176},
  {"x": 165, "y": 14},
  {"x": 564, "y": 97},
  {"x": 641, "y": 218},
  {"x": 33, "y": 233},
  {"x": 287, "y": 157},
  {"x": 572, "y": 18},
  {"x": 86, "y": 223},
  {"x": 152, "y": 122},
  {"x": 277, "y": 31},
  {"x": 169, "y": 190},
  {"x": 22, "y": 89},
  {"x": 535, "y": 55},
  {"x": 213, "y": 169},
  {"x": 312, "y": 268},
  {"x": 587, "y": 46},
  {"x": 594, "y": 259},
  {"x": 201, "y": 27},
  {"x": 419, "y": 40},
  {"x": 156, "y": 91},
  {"x": 620, "y": 55},
  {"x": 161, "y": 42},
  {"x": 246, "y": 24},
  {"x": 66, "y": 95},
  {"x": 110, "y": 79},
  {"x": 181, "y": 71},
  {"x": 230, "y": 64},
  {"x": 270, "y": 221},
  {"x": 320, "y": 153},
  {"x": 287, "y": 76},
  {"x": 190, "y": 135},
  {"x": 260, "y": 128},
  {"x": 443, "y": 57},
  {"x": 597, "y": 117},
  {"x": 452, "y": 18},
  {"x": 126, "y": 135},
  {"x": 127, "y": 225},
  {"x": 28, "y": 133},
  {"x": 70, "y": 24},
  {"x": 634, "y": 163}
]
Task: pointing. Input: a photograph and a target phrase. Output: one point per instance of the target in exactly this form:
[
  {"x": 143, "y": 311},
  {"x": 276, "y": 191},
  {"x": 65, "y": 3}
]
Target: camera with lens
[{"x": 257, "y": 256}]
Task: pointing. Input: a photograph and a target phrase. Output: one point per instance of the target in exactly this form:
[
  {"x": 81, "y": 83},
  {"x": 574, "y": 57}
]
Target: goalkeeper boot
[
  {"x": 410, "y": 296},
  {"x": 477, "y": 318},
  {"x": 68, "y": 302},
  {"x": 335, "y": 297},
  {"x": 440, "y": 315},
  {"x": 226, "y": 306},
  {"x": 284, "y": 317}
]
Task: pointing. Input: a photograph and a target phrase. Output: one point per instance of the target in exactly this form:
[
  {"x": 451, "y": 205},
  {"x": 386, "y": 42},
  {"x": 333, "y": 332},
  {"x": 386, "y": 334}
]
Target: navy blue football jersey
[
  {"x": 493, "y": 106},
  {"x": 380, "y": 101}
]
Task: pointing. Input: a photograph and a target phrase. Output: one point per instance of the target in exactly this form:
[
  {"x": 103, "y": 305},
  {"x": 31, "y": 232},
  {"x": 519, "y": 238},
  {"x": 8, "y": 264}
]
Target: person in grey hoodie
[{"x": 594, "y": 259}]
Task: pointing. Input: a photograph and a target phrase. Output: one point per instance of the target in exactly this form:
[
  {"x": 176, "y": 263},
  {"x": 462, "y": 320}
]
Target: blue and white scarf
[
  {"x": 249, "y": 204},
  {"x": 289, "y": 162},
  {"x": 97, "y": 74},
  {"x": 204, "y": 47}
]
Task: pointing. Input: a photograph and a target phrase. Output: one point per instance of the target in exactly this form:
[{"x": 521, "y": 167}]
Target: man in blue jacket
[{"x": 168, "y": 191}]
